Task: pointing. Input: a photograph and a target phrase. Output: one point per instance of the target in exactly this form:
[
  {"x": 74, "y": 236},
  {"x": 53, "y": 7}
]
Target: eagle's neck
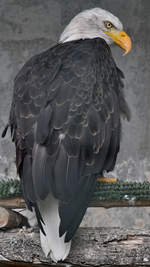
[
  {"x": 78, "y": 35},
  {"x": 78, "y": 28}
]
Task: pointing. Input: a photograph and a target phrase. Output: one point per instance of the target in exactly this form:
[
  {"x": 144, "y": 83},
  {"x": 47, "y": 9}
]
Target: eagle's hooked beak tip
[
  {"x": 125, "y": 42},
  {"x": 122, "y": 39}
]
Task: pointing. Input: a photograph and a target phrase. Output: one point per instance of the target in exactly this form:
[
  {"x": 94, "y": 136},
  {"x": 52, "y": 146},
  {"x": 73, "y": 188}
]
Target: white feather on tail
[{"x": 52, "y": 243}]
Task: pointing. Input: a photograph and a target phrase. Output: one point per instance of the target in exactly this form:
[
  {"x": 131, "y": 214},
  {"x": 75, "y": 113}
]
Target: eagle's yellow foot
[{"x": 106, "y": 180}]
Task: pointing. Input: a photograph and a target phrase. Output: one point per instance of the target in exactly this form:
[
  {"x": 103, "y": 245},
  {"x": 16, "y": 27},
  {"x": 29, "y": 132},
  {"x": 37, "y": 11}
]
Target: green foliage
[
  {"x": 122, "y": 191},
  {"x": 10, "y": 188},
  {"x": 104, "y": 191}
]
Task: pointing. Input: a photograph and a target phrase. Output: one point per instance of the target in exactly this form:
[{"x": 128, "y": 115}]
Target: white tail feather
[{"x": 52, "y": 243}]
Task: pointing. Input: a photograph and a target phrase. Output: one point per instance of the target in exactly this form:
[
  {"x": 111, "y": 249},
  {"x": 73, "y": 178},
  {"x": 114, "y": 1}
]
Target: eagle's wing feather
[{"x": 65, "y": 120}]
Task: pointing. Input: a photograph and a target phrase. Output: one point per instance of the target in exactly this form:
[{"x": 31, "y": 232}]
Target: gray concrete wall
[{"x": 30, "y": 26}]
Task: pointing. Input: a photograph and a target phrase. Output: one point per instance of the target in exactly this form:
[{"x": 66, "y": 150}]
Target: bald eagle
[{"x": 65, "y": 122}]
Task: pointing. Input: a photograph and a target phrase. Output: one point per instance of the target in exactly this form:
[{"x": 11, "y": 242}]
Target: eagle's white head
[{"x": 97, "y": 22}]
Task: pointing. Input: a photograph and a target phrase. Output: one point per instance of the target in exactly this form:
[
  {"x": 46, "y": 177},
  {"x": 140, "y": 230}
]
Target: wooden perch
[
  {"x": 11, "y": 219},
  {"x": 119, "y": 203},
  {"x": 19, "y": 203},
  {"x": 12, "y": 203},
  {"x": 92, "y": 247}
]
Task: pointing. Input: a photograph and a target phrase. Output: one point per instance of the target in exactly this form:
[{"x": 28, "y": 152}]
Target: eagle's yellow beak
[{"x": 121, "y": 39}]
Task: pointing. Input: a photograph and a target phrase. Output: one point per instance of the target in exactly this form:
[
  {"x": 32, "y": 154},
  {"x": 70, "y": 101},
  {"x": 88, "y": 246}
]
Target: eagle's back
[{"x": 65, "y": 121}]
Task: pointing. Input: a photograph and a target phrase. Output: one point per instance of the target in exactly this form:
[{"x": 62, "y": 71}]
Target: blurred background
[{"x": 30, "y": 26}]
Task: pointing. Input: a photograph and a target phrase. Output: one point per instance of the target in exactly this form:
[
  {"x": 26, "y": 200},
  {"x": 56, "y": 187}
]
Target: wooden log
[
  {"x": 90, "y": 247},
  {"x": 11, "y": 219},
  {"x": 12, "y": 203},
  {"x": 119, "y": 203},
  {"x": 19, "y": 203}
]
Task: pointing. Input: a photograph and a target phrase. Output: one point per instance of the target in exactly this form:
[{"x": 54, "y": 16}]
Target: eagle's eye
[{"x": 108, "y": 24}]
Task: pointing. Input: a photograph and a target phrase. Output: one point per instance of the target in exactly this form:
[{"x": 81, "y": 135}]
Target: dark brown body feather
[{"x": 65, "y": 121}]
